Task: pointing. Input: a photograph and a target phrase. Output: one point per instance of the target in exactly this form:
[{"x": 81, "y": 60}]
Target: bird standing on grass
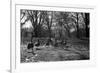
[
  {"x": 30, "y": 46},
  {"x": 37, "y": 44}
]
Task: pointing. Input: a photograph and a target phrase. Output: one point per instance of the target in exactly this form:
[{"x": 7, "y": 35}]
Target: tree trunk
[
  {"x": 77, "y": 26},
  {"x": 87, "y": 24},
  {"x": 35, "y": 25},
  {"x": 68, "y": 31}
]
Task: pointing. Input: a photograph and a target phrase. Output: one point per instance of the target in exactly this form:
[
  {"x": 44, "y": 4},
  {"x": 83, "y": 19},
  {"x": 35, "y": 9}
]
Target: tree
[
  {"x": 87, "y": 21},
  {"x": 36, "y": 17},
  {"x": 77, "y": 25}
]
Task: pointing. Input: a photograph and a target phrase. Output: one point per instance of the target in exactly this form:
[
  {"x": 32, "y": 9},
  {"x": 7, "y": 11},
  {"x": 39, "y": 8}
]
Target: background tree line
[{"x": 54, "y": 24}]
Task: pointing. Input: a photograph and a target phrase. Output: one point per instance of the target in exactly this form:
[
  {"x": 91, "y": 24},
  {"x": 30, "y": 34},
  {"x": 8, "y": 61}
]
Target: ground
[{"x": 73, "y": 50}]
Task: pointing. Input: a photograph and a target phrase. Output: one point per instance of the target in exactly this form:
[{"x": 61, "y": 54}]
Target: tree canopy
[{"x": 54, "y": 24}]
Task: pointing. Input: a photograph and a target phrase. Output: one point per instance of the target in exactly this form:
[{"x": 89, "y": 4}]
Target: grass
[{"x": 73, "y": 51}]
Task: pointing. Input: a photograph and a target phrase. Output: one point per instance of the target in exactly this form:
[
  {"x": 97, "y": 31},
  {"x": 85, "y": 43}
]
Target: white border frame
[{"x": 16, "y": 67}]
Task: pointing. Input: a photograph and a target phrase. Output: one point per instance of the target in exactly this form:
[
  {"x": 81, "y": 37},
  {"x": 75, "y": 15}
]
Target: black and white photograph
[{"x": 51, "y": 36}]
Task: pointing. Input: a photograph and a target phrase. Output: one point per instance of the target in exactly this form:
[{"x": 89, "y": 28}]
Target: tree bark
[
  {"x": 77, "y": 26},
  {"x": 87, "y": 24}
]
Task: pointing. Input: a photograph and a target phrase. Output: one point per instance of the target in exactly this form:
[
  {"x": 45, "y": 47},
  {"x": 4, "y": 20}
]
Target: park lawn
[{"x": 76, "y": 50}]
